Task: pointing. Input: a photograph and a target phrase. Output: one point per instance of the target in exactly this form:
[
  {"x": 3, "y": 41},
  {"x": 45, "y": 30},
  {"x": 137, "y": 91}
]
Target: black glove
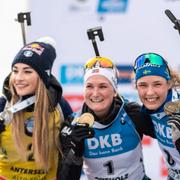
[
  {"x": 75, "y": 135},
  {"x": 174, "y": 122},
  {"x": 2, "y": 126}
]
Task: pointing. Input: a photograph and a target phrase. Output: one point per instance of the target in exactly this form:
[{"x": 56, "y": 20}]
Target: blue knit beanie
[
  {"x": 148, "y": 68},
  {"x": 40, "y": 55}
]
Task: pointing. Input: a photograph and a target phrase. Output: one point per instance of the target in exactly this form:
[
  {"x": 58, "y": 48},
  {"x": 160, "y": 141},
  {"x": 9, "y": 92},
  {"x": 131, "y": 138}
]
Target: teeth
[
  {"x": 151, "y": 99},
  {"x": 20, "y": 85},
  {"x": 96, "y": 100}
]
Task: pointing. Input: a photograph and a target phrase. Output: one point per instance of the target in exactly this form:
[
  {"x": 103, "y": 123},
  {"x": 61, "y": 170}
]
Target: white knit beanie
[{"x": 110, "y": 73}]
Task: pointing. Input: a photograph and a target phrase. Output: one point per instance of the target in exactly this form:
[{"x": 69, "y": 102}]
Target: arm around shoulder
[{"x": 141, "y": 120}]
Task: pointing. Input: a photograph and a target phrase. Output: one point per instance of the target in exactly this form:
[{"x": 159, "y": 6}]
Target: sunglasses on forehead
[
  {"x": 99, "y": 62},
  {"x": 151, "y": 59}
]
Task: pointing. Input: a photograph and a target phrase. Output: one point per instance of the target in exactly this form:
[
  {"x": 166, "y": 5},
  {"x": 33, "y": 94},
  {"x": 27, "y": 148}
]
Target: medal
[
  {"x": 86, "y": 118},
  {"x": 171, "y": 108}
]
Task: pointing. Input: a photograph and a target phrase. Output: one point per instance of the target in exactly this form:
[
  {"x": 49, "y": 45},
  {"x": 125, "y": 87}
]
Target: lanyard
[
  {"x": 21, "y": 105},
  {"x": 7, "y": 114}
]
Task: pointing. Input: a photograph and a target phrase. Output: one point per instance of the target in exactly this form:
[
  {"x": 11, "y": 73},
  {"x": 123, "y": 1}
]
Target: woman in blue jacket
[
  {"x": 157, "y": 88},
  {"x": 111, "y": 147}
]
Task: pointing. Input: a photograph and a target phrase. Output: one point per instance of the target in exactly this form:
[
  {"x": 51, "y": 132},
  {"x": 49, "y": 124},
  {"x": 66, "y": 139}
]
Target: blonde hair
[
  {"x": 44, "y": 144},
  {"x": 175, "y": 79}
]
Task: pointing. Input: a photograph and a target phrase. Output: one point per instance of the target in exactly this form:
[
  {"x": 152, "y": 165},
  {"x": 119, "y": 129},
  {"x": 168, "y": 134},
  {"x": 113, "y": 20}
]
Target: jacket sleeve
[
  {"x": 69, "y": 165},
  {"x": 142, "y": 121},
  {"x": 177, "y": 144},
  {"x": 2, "y": 103},
  {"x": 66, "y": 108},
  {"x": 2, "y": 106}
]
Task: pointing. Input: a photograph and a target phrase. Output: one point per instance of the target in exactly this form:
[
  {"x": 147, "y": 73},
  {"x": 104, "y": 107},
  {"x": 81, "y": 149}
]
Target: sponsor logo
[
  {"x": 106, "y": 141},
  {"x": 66, "y": 130},
  {"x": 28, "y": 53},
  {"x": 113, "y": 178},
  {"x": 162, "y": 130},
  {"x": 28, "y": 171},
  {"x": 112, "y": 6},
  {"x": 34, "y": 48},
  {"x": 71, "y": 74}
]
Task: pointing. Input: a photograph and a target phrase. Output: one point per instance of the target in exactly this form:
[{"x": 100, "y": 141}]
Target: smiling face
[
  {"x": 24, "y": 79},
  {"x": 99, "y": 94},
  {"x": 152, "y": 91}
]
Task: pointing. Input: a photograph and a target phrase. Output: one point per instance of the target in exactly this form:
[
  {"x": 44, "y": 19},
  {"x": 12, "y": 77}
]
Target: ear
[{"x": 115, "y": 94}]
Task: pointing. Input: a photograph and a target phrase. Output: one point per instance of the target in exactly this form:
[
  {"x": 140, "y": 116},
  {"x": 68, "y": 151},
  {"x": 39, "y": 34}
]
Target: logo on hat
[
  {"x": 95, "y": 71},
  {"x": 28, "y": 53},
  {"x": 146, "y": 72},
  {"x": 35, "y": 47}
]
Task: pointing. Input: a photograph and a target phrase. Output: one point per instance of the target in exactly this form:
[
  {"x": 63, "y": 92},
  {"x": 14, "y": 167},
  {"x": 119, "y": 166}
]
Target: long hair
[
  {"x": 175, "y": 78},
  {"x": 44, "y": 143}
]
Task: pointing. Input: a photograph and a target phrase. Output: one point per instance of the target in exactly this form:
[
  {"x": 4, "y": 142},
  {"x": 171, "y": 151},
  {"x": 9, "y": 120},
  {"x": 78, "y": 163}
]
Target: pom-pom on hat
[{"x": 40, "y": 55}]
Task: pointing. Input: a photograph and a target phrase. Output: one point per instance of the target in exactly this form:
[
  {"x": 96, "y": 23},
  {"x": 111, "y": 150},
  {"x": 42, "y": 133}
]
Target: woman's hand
[{"x": 76, "y": 134}]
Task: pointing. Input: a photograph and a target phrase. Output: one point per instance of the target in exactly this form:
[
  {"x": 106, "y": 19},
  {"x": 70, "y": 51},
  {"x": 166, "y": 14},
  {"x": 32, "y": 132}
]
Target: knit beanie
[
  {"x": 40, "y": 55},
  {"x": 151, "y": 64},
  {"x": 102, "y": 66}
]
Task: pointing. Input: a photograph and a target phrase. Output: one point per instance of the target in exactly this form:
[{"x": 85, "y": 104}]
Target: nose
[
  {"x": 150, "y": 90},
  {"x": 95, "y": 91},
  {"x": 19, "y": 76}
]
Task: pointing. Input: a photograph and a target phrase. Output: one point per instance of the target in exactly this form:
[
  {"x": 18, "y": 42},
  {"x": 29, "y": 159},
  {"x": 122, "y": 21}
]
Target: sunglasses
[
  {"x": 149, "y": 58},
  {"x": 99, "y": 62}
]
